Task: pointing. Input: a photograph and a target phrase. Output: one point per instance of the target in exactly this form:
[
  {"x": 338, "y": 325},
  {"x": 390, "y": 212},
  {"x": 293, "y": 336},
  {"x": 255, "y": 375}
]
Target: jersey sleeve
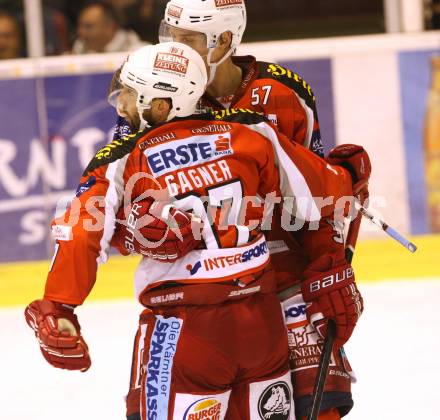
[
  {"x": 299, "y": 108},
  {"x": 315, "y": 185},
  {"x": 84, "y": 232}
]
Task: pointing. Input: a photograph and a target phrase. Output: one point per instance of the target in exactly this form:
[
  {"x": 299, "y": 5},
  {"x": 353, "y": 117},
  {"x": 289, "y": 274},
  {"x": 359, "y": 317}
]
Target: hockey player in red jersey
[
  {"x": 214, "y": 28},
  {"x": 213, "y": 336}
]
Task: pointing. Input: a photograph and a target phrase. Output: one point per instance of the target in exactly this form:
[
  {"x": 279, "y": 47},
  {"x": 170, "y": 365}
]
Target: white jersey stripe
[
  {"x": 113, "y": 200},
  {"x": 292, "y": 181}
]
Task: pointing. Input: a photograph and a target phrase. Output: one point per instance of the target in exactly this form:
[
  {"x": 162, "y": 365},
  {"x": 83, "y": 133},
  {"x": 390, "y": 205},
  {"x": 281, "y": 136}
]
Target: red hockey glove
[
  {"x": 59, "y": 334},
  {"x": 330, "y": 291},
  {"x": 356, "y": 160},
  {"x": 156, "y": 230}
]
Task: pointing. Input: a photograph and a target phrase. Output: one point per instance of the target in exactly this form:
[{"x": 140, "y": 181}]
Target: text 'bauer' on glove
[{"x": 330, "y": 292}]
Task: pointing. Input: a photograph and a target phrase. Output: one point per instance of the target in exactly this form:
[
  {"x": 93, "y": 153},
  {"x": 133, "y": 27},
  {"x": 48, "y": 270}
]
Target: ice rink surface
[{"x": 394, "y": 351}]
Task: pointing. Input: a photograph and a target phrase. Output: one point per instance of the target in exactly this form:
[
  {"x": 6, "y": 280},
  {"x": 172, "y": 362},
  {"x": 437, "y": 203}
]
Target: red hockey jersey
[
  {"x": 283, "y": 96},
  {"x": 204, "y": 165}
]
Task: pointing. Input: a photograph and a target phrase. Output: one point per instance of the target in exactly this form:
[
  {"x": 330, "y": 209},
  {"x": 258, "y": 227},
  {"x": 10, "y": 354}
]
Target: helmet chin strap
[
  {"x": 213, "y": 66},
  {"x": 143, "y": 123}
]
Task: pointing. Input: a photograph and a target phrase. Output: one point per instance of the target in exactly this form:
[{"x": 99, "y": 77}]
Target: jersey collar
[{"x": 250, "y": 69}]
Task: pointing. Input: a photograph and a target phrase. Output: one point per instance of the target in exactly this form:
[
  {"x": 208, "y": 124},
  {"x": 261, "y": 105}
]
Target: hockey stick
[
  {"x": 327, "y": 348},
  {"x": 352, "y": 235}
]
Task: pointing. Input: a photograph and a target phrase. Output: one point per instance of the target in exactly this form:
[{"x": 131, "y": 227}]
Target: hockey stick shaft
[
  {"x": 327, "y": 348},
  {"x": 321, "y": 376},
  {"x": 352, "y": 236},
  {"x": 388, "y": 229}
]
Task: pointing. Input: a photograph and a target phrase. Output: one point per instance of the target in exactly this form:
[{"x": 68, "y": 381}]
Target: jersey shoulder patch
[
  {"x": 288, "y": 78},
  {"x": 113, "y": 151}
]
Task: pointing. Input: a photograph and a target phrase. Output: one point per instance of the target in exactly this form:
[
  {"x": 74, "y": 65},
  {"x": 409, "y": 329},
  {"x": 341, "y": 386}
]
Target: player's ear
[{"x": 225, "y": 40}]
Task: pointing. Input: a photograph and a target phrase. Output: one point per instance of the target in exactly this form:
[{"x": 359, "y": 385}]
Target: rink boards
[
  {"x": 370, "y": 90},
  {"x": 375, "y": 260}
]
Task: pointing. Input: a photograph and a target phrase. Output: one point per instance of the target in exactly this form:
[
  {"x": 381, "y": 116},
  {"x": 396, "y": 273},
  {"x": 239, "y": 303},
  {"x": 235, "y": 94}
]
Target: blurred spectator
[
  {"x": 56, "y": 30},
  {"x": 98, "y": 30},
  {"x": 70, "y": 9},
  {"x": 56, "y": 26},
  {"x": 11, "y": 45},
  {"x": 143, "y": 16}
]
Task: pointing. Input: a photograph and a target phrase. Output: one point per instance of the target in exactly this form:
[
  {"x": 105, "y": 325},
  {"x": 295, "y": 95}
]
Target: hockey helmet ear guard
[{"x": 169, "y": 70}]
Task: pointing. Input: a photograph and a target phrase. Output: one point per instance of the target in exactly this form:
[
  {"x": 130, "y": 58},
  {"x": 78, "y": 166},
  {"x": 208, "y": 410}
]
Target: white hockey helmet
[
  {"x": 169, "y": 70},
  {"x": 211, "y": 17}
]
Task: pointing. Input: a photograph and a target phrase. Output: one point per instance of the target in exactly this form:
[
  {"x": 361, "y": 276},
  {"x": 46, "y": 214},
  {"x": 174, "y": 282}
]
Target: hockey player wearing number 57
[
  {"x": 214, "y": 28},
  {"x": 213, "y": 335}
]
